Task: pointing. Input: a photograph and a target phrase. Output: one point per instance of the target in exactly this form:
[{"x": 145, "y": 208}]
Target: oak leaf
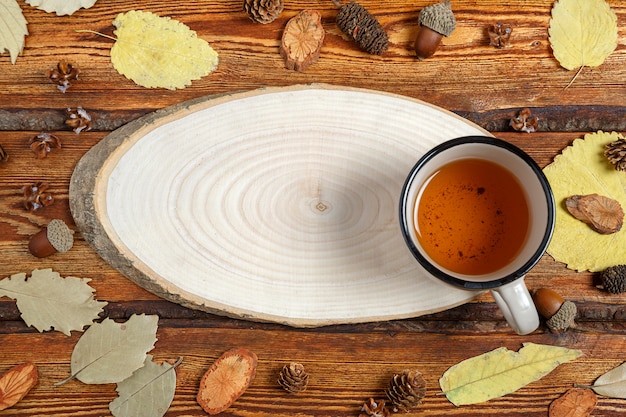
[
  {"x": 582, "y": 169},
  {"x": 226, "y": 380},
  {"x": 109, "y": 352},
  {"x": 582, "y": 33},
  {"x": 47, "y": 301},
  {"x": 160, "y": 52},
  {"x": 148, "y": 392},
  {"x": 501, "y": 371},
  {"x": 16, "y": 383},
  {"x": 61, "y": 7},
  {"x": 13, "y": 29},
  {"x": 576, "y": 402}
]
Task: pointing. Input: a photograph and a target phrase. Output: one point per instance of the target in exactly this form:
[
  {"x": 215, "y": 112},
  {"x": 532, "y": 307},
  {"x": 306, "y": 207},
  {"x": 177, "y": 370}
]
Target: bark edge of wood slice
[{"x": 277, "y": 204}]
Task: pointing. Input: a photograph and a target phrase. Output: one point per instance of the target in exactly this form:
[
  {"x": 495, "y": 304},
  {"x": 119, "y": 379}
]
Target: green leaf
[
  {"x": 612, "y": 384},
  {"x": 48, "y": 301},
  {"x": 148, "y": 392},
  {"x": 582, "y": 33},
  {"x": 501, "y": 372},
  {"x": 12, "y": 28},
  {"x": 110, "y": 352}
]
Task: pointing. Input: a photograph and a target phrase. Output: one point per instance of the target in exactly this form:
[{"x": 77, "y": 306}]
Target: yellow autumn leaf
[
  {"x": 12, "y": 28},
  {"x": 583, "y": 169},
  {"x": 582, "y": 33},
  {"x": 160, "y": 52},
  {"x": 501, "y": 371}
]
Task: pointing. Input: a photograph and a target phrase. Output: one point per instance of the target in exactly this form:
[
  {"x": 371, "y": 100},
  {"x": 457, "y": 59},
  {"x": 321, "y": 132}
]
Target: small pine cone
[
  {"x": 263, "y": 11},
  {"x": 293, "y": 378},
  {"x": 371, "y": 408},
  {"x": 406, "y": 390},
  {"x": 363, "y": 28},
  {"x": 63, "y": 74},
  {"x": 525, "y": 122},
  {"x": 614, "y": 279},
  {"x": 616, "y": 153}
]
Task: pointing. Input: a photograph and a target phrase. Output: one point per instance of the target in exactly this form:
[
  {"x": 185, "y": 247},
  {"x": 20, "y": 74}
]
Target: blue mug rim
[{"x": 442, "y": 275}]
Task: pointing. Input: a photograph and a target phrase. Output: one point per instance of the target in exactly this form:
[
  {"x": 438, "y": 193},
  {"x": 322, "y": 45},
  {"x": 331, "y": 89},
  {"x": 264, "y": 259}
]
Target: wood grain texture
[
  {"x": 523, "y": 75},
  {"x": 290, "y": 223},
  {"x": 348, "y": 363}
]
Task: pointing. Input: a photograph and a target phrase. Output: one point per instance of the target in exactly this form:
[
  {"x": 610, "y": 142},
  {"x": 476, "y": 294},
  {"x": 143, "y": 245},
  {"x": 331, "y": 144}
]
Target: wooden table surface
[{"x": 347, "y": 363}]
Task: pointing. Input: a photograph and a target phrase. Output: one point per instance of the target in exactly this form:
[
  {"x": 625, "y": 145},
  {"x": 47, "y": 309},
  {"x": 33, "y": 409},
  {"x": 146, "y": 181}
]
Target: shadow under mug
[{"x": 507, "y": 283}]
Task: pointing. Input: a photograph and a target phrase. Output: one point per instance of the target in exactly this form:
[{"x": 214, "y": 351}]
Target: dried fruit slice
[
  {"x": 603, "y": 214},
  {"x": 226, "y": 380},
  {"x": 302, "y": 40},
  {"x": 576, "y": 402},
  {"x": 16, "y": 383}
]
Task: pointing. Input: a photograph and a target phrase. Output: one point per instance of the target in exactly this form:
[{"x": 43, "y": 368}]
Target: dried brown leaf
[
  {"x": 577, "y": 402},
  {"x": 226, "y": 380},
  {"x": 16, "y": 383},
  {"x": 603, "y": 214}
]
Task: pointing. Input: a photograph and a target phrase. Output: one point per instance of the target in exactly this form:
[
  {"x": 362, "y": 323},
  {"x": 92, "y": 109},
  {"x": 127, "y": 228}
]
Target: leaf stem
[
  {"x": 65, "y": 381},
  {"x": 95, "y": 33},
  {"x": 575, "y": 76}
]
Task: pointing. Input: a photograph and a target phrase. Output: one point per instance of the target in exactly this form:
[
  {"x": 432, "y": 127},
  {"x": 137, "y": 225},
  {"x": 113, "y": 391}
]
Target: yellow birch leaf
[
  {"x": 583, "y": 169},
  {"x": 160, "y": 52},
  {"x": 12, "y": 29},
  {"x": 501, "y": 371},
  {"x": 582, "y": 32}
]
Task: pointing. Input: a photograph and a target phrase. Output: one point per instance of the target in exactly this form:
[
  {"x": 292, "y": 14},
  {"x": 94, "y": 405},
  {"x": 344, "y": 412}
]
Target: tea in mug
[{"x": 472, "y": 216}]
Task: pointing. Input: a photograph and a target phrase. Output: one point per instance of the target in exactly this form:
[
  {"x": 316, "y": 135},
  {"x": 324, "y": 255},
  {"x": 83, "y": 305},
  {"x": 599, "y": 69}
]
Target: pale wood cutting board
[{"x": 278, "y": 204}]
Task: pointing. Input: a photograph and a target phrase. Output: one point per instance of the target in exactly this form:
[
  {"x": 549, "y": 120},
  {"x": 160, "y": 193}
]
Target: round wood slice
[{"x": 279, "y": 204}]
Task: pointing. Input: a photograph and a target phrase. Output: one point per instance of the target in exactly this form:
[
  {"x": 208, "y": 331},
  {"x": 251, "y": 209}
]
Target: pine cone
[
  {"x": 371, "y": 408},
  {"x": 293, "y": 378},
  {"x": 525, "y": 122},
  {"x": 406, "y": 390},
  {"x": 614, "y": 279},
  {"x": 263, "y": 11},
  {"x": 616, "y": 153},
  {"x": 363, "y": 28},
  {"x": 63, "y": 74}
]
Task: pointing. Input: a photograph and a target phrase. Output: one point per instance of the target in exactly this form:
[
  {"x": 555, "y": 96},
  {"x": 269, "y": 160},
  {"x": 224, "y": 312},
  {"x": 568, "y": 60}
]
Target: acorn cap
[
  {"x": 59, "y": 235},
  {"x": 438, "y": 17},
  {"x": 564, "y": 318}
]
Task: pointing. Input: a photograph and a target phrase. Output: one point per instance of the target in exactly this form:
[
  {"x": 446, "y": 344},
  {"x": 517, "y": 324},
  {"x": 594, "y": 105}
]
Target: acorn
[
  {"x": 56, "y": 237},
  {"x": 435, "y": 21},
  {"x": 559, "y": 313}
]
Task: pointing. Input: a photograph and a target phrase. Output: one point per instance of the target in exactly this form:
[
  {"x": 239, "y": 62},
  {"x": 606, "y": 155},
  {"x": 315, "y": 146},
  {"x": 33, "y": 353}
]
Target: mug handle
[{"x": 517, "y": 306}]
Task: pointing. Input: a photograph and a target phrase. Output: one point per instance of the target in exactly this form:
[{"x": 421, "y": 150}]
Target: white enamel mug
[{"x": 507, "y": 283}]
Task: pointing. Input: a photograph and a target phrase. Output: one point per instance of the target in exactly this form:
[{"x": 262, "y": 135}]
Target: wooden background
[{"x": 349, "y": 363}]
